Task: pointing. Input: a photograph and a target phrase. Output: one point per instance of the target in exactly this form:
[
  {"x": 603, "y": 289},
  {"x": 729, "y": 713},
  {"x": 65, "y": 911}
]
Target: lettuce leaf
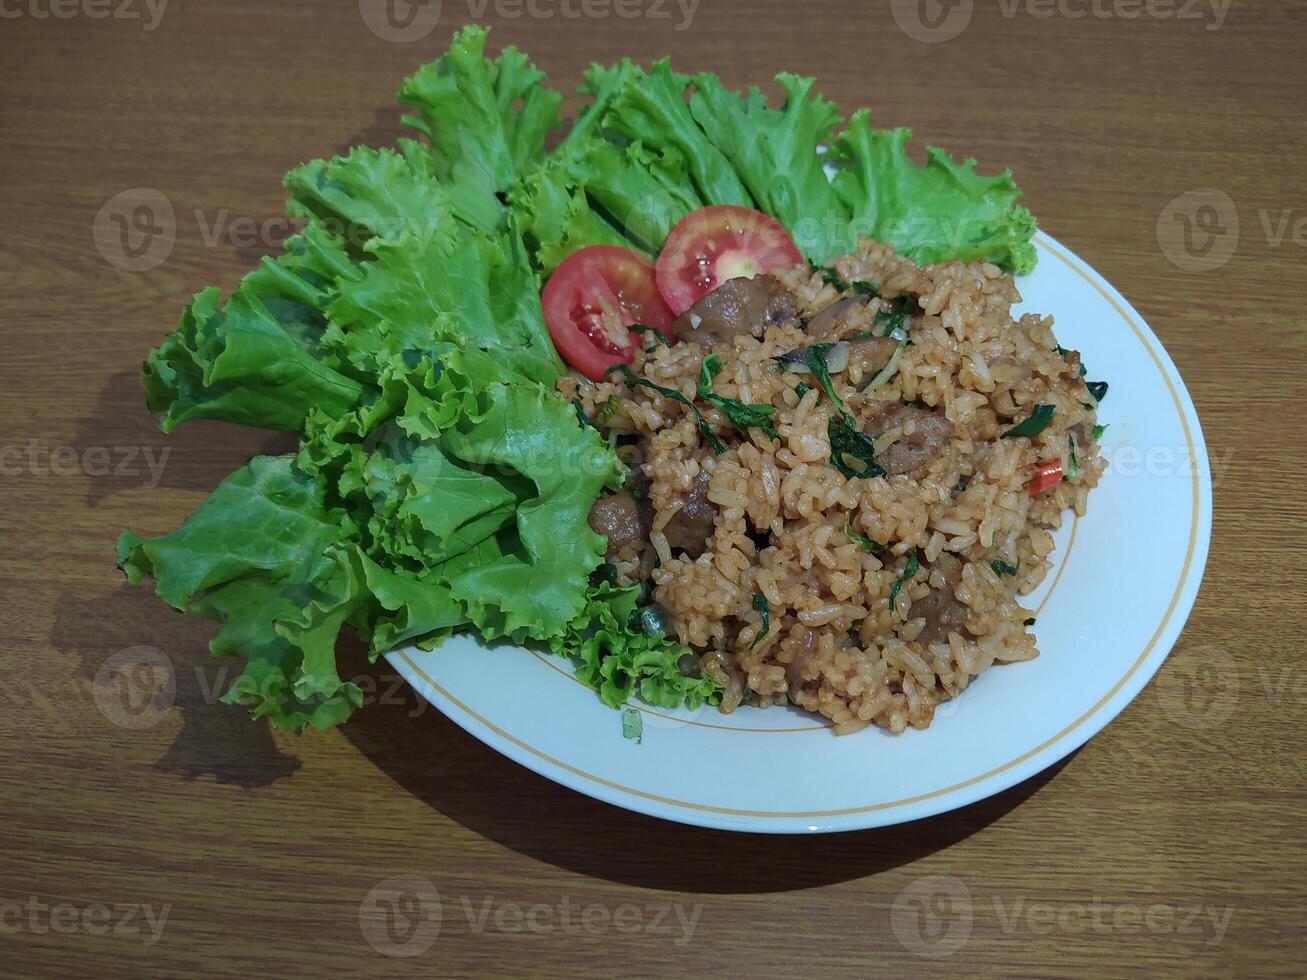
[
  {"x": 651, "y": 109},
  {"x": 619, "y": 661},
  {"x": 405, "y": 537},
  {"x": 934, "y": 212},
  {"x": 652, "y": 146},
  {"x": 487, "y": 120},
  {"x": 775, "y": 152},
  {"x": 257, "y": 360},
  {"x": 263, "y": 554},
  {"x": 554, "y": 214}
]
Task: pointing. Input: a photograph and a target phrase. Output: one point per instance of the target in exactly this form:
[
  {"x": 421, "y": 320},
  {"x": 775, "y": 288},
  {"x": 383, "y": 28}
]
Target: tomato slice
[
  {"x": 714, "y": 244},
  {"x": 1045, "y": 476},
  {"x": 590, "y": 300}
]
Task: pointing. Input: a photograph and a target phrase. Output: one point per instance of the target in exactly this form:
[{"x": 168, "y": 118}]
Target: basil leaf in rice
[
  {"x": 910, "y": 569},
  {"x": 760, "y": 604},
  {"x": 849, "y": 447},
  {"x": 1040, "y": 417},
  {"x": 704, "y": 428},
  {"x": 743, "y": 416},
  {"x": 816, "y": 361}
]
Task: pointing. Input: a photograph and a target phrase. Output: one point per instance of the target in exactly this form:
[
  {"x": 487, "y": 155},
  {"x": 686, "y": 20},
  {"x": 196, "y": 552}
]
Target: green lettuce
[
  {"x": 264, "y": 554},
  {"x": 404, "y": 536},
  {"x": 651, "y": 146},
  {"x": 936, "y": 211},
  {"x": 258, "y": 359},
  {"x": 620, "y": 662},
  {"x": 777, "y": 154},
  {"x": 487, "y": 121}
]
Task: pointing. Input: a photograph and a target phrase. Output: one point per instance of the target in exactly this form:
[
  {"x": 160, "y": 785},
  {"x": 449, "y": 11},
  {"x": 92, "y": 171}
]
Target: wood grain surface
[{"x": 1172, "y": 844}]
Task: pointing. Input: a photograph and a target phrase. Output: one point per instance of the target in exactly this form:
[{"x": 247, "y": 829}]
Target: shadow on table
[
  {"x": 467, "y": 781},
  {"x": 216, "y": 740},
  {"x": 122, "y": 441}
]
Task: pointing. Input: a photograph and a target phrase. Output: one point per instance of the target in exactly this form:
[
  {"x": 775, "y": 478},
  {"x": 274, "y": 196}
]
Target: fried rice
[{"x": 884, "y": 596}]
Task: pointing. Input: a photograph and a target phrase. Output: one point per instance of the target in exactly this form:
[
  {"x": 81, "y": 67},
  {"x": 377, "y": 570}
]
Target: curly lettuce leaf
[
  {"x": 555, "y": 216},
  {"x": 372, "y": 197},
  {"x": 934, "y": 212},
  {"x": 405, "y": 537},
  {"x": 775, "y": 152},
  {"x": 651, "y": 109},
  {"x": 257, "y": 360},
  {"x": 652, "y": 146},
  {"x": 264, "y": 555},
  {"x": 486, "y": 119},
  {"x": 464, "y": 289},
  {"x": 533, "y": 582},
  {"x": 619, "y": 661}
]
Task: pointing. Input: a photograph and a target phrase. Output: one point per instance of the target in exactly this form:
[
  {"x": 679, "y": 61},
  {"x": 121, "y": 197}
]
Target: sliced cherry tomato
[
  {"x": 711, "y": 245},
  {"x": 590, "y": 300},
  {"x": 1046, "y": 477}
]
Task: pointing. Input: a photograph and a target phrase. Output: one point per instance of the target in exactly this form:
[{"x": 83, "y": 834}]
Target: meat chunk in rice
[
  {"x": 691, "y": 526},
  {"x": 943, "y": 613},
  {"x": 837, "y": 320},
  {"x": 737, "y": 306},
  {"x": 622, "y": 519},
  {"x": 918, "y": 434}
]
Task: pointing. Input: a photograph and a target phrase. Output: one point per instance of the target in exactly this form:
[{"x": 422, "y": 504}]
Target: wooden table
[{"x": 1158, "y": 847}]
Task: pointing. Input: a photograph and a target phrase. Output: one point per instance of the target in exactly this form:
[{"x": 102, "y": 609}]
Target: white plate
[{"x": 1124, "y": 580}]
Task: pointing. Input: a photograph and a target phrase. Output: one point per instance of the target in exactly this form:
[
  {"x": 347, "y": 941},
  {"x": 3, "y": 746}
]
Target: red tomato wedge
[
  {"x": 714, "y": 244},
  {"x": 590, "y": 300},
  {"x": 1045, "y": 477}
]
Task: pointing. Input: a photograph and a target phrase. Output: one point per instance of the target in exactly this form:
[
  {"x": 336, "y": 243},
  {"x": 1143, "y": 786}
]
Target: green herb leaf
[
  {"x": 632, "y": 725},
  {"x": 832, "y": 278},
  {"x": 1099, "y": 430},
  {"x": 606, "y": 413},
  {"x": 580, "y": 414},
  {"x": 816, "y": 359},
  {"x": 894, "y": 315},
  {"x": 1040, "y": 416},
  {"x": 607, "y": 572},
  {"x": 743, "y": 416},
  {"x": 800, "y": 389},
  {"x": 861, "y": 540},
  {"x": 1064, "y": 352},
  {"x": 961, "y": 484},
  {"x": 909, "y": 570},
  {"x": 1074, "y": 468},
  {"x": 760, "y": 604},
  {"x": 1098, "y": 389},
  {"x": 846, "y": 444},
  {"x": 657, "y": 335},
  {"x": 1002, "y": 568},
  {"x": 704, "y": 428}
]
